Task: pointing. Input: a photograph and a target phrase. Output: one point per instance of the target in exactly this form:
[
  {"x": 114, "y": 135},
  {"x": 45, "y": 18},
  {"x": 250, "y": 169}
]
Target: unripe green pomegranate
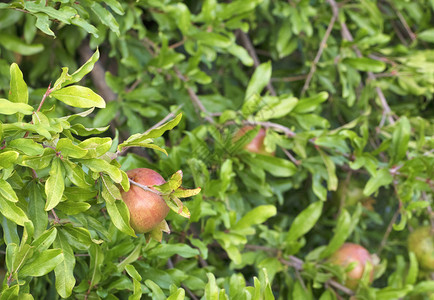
[
  {"x": 421, "y": 242},
  {"x": 257, "y": 144},
  {"x": 147, "y": 209},
  {"x": 353, "y": 253}
]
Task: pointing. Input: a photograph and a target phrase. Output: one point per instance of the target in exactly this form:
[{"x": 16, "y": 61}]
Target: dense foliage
[{"x": 91, "y": 89}]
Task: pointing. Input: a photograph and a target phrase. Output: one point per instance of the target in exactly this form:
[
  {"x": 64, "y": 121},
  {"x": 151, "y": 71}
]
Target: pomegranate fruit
[
  {"x": 353, "y": 253},
  {"x": 421, "y": 242},
  {"x": 147, "y": 209},
  {"x": 257, "y": 144}
]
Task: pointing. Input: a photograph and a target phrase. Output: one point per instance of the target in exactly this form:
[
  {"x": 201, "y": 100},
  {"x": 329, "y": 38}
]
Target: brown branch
[
  {"x": 289, "y": 79},
  {"x": 340, "y": 287},
  {"x": 245, "y": 40},
  {"x": 291, "y": 157},
  {"x": 321, "y": 48}
]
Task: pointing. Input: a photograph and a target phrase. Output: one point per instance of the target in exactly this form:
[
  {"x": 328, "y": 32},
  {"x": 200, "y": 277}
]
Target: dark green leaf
[
  {"x": 304, "y": 221},
  {"x": 42, "y": 263}
]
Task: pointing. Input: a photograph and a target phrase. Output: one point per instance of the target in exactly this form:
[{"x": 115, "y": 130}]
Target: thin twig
[
  {"x": 291, "y": 157},
  {"x": 194, "y": 97},
  {"x": 410, "y": 33},
  {"x": 339, "y": 286},
  {"x": 56, "y": 218},
  {"x": 288, "y": 132},
  {"x": 177, "y": 44},
  {"x": 289, "y": 79},
  {"x": 145, "y": 187},
  {"x": 321, "y": 48},
  {"x": 251, "y": 50}
]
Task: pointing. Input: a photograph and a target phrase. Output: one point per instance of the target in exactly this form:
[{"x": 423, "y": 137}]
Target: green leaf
[
  {"x": 276, "y": 166},
  {"x": 115, "y": 6},
  {"x": 258, "y": 215},
  {"x": 259, "y": 80},
  {"x": 44, "y": 241},
  {"x": 79, "y": 96},
  {"x": 75, "y": 173},
  {"x": 55, "y": 185},
  {"x": 413, "y": 269},
  {"x": 85, "y": 69},
  {"x": 381, "y": 178},
  {"x": 18, "y": 88},
  {"x": 211, "y": 288},
  {"x": 27, "y": 146},
  {"x": 277, "y": 110},
  {"x": 8, "y": 158},
  {"x": 9, "y": 108},
  {"x": 304, "y": 221},
  {"x": 342, "y": 231},
  {"x": 400, "y": 139},
  {"x": 36, "y": 209},
  {"x": 157, "y": 293},
  {"x": 365, "y": 64},
  {"x": 120, "y": 216},
  {"x": 68, "y": 149},
  {"x": 307, "y": 105},
  {"x": 64, "y": 271},
  {"x": 77, "y": 20},
  {"x": 163, "y": 251},
  {"x": 99, "y": 165},
  {"x": 11, "y": 211},
  {"x": 110, "y": 192},
  {"x": 212, "y": 39},
  {"x": 96, "y": 262},
  {"x": 15, "y": 44},
  {"x": 10, "y": 233},
  {"x": 332, "y": 180},
  {"x": 77, "y": 237},
  {"x": 42, "y": 263},
  {"x": 424, "y": 287},
  {"x": 7, "y": 191},
  {"x": 96, "y": 146},
  {"x": 43, "y": 24},
  {"x": 178, "y": 295},
  {"x": 427, "y": 35},
  {"x": 105, "y": 17},
  {"x": 131, "y": 270},
  {"x": 10, "y": 293},
  {"x": 139, "y": 139}
]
